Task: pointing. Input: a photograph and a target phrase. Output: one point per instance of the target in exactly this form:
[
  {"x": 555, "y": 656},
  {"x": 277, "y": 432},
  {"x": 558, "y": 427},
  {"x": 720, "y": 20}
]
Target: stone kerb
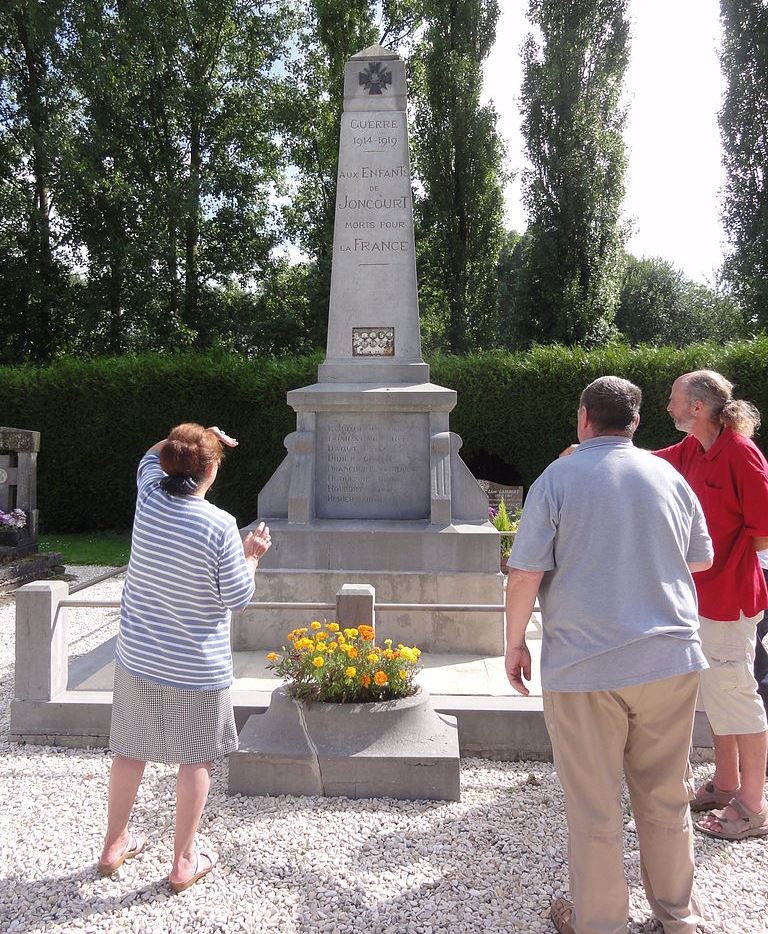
[{"x": 42, "y": 663}]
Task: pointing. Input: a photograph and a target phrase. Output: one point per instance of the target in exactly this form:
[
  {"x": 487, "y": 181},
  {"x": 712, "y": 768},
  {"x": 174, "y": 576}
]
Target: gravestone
[
  {"x": 18, "y": 489},
  {"x": 373, "y": 489},
  {"x": 19, "y": 558}
]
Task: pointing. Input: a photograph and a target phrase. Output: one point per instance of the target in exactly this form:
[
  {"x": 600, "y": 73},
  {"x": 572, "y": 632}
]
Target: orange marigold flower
[
  {"x": 273, "y": 656},
  {"x": 318, "y": 661},
  {"x": 315, "y": 624},
  {"x": 333, "y": 627},
  {"x": 365, "y": 680},
  {"x": 380, "y": 678},
  {"x": 351, "y": 671}
]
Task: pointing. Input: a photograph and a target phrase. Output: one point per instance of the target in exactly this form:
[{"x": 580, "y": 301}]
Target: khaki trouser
[{"x": 646, "y": 731}]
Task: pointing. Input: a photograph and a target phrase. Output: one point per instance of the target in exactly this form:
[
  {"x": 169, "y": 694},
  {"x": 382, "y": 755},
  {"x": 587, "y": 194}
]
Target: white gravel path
[{"x": 489, "y": 863}]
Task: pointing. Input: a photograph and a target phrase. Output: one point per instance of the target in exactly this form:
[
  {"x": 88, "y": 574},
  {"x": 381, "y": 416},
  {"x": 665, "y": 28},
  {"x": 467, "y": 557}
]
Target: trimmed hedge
[{"x": 515, "y": 410}]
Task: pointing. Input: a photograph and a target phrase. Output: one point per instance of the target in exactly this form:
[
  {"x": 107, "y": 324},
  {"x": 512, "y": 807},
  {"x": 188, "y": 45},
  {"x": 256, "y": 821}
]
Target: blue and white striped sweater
[{"x": 186, "y": 573}]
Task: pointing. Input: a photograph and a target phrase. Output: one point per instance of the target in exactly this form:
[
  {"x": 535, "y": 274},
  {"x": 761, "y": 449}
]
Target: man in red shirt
[{"x": 729, "y": 474}]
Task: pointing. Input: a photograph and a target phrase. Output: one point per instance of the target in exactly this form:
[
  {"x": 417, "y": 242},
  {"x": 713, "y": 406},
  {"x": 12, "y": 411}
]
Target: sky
[{"x": 673, "y": 89}]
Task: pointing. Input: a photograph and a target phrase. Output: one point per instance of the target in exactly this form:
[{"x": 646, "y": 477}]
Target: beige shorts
[{"x": 728, "y": 690}]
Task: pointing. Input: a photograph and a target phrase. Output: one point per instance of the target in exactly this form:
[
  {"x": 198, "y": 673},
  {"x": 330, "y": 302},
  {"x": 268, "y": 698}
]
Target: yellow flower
[
  {"x": 373, "y": 658},
  {"x": 365, "y": 680},
  {"x": 403, "y": 673},
  {"x": 273, "y": 656},
  {"x": 318, "y": 661},
  {"x": 351, "y": 671},
  {"x": 315, "y": 624},
  {"x": 321, "y": 635},
  {"x": 352, "y": 652},
  {"x": 334, "y": 627},
  {"x": 388, "y": 653},
  {"x": 388, "y": 643},
  {"x": 350, "y": 633},
  {"x": 380, "y": 678}
]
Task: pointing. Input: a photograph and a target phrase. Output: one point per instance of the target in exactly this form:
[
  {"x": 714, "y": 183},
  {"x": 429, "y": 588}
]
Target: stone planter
[{"x": 395, "y": 749}]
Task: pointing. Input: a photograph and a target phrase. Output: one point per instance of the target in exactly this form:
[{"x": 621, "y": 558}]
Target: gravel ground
[{"x": 492, "y": 862}]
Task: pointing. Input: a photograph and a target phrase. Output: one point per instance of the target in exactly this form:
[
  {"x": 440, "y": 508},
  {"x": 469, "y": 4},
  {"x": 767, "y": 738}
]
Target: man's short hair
[{"x": 612, "y": 404}]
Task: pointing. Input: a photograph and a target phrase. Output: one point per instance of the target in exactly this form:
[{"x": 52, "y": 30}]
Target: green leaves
[
  {"x": 572, "y": 123},
  {"x": 744, "y": 131}
]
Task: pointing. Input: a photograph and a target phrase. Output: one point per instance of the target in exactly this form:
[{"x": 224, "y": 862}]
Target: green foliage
[
  {"x": 744, "y": 131},
  {"x": 458, "y": 158},
  {"x": 572, "y": 124},
  {"x": 98, "y": 417},
  {"x": 659, "y": 305},
  {"x": 503, "y": 522}
]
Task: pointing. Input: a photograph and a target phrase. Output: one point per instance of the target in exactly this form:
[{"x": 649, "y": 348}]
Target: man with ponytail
[{"x": 729, "y": 474}]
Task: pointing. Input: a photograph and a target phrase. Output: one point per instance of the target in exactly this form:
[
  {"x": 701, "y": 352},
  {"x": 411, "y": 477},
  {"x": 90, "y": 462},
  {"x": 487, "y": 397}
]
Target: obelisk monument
[{"x": 372, "y": 489}]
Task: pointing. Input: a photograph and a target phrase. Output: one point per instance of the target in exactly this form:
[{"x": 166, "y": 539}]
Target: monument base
[{"x": 425, "y": 564}]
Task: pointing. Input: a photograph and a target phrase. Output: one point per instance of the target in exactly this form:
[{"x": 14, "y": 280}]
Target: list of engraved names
[{"x": 367, "y": 466}]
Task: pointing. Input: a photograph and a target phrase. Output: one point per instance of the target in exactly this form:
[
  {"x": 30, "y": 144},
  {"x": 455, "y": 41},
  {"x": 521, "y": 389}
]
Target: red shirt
[{"x": 731, "y": 482}]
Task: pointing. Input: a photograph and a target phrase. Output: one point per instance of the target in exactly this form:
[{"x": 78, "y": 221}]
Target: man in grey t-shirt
[{"x": 609, "y": 538}]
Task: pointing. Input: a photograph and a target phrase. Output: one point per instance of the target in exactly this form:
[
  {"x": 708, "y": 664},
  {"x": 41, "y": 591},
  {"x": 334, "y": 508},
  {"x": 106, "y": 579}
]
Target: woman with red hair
[{"x": 173, "y": 667}]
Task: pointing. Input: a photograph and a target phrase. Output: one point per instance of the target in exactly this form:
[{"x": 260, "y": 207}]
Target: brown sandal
[
  {"x": 136, "y": 843},
  {"x": 747, "y": 824},
  {"x": 714, "y": 798},
  {"x": 561, "y": 913},
  {"x": 198, "y": 873}
]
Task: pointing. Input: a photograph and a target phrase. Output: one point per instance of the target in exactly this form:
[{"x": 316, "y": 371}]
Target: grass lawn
[{"x": 108, "y": 548}]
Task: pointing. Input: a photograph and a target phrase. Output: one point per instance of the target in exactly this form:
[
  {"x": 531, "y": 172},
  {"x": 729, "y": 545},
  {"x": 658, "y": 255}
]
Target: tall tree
[
  {"x": 744, "y": 130},
  {"x": 572, "y": 123},
  {"x": 458, "y": 158},
  {"x": 35, "y": 110},
  {"x": 331, "y": 32},
  {"x": 659, "y": 305}
]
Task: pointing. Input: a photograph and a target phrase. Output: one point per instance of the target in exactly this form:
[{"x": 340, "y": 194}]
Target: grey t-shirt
[{"x": 613, "y": 527}]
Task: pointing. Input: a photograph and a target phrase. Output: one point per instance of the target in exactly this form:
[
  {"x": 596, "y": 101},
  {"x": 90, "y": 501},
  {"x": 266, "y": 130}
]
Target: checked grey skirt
[{"x": 157, "y": 723}]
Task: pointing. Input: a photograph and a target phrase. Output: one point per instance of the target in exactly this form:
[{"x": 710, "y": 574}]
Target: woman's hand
[
  {"x": 257, "y": 543},
  {"x": 225, "y": 439}
]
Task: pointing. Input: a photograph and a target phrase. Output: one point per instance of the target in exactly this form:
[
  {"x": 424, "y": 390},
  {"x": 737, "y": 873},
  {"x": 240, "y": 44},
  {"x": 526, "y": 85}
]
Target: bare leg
[
  {"x": 726, "y": 762},
  {"x": 192, "y": 785},
  {"x": 124, "y": 780},
  {"x": 751, "y": 756}
]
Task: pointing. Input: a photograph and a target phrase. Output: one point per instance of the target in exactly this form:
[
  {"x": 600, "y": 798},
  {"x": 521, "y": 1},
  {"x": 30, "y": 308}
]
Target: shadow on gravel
[{"x": 71, "y": 903}]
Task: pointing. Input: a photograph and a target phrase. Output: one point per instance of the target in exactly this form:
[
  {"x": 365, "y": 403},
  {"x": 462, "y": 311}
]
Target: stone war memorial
[{"x": 373, "y": 490}]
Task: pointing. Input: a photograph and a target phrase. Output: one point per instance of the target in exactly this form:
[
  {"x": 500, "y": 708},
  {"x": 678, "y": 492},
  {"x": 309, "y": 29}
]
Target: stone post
[
  {"x": 42, "y": 651},
  {"x": 354, "y": 606}
]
